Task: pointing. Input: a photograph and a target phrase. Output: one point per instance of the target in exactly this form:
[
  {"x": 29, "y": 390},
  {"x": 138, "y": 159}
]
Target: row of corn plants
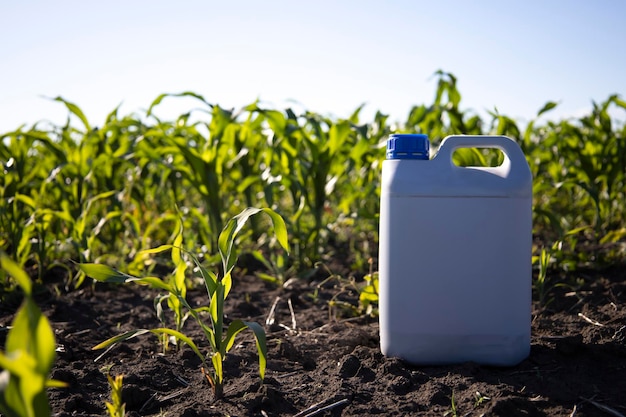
[{"x": 85, "y": 193}]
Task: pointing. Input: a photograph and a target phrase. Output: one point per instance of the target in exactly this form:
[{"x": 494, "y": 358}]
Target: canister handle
[{"x": 512, "y": 152}]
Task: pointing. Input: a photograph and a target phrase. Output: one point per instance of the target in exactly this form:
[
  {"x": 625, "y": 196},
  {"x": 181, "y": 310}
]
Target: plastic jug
[{"x": 455, "y": 253}]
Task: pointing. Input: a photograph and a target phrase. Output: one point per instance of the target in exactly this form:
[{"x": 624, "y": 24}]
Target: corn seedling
[
  {"x": 276, "y": 265},
  {"x": 368, "y": 295},
  {"x": 220, "y": 337},
  {"x": 480, "y": 399},
  {"x": 541, "y": 283},
  {"x": 116, "y": 408},
  {"x": 453, "y": 411},
  {"x": 28, "y": 357},
  {"x": 367, "y": 292}
]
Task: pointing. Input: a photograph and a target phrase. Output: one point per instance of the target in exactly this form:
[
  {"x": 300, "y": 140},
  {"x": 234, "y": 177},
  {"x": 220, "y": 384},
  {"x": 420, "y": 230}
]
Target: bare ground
[{"x": 325, "y": 364}]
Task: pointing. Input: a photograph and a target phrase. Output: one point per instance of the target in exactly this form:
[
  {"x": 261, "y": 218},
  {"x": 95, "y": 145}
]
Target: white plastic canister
[{"x": 455, "y": 253}]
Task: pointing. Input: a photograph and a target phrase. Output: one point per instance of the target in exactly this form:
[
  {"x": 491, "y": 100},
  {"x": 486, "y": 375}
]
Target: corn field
[{"x": 81, "y": 192}]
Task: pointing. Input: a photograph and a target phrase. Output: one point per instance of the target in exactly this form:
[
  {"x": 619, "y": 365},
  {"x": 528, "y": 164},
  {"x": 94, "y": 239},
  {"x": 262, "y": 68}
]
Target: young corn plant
[
  {"x": 368, "y": 295},
  {"x": 367, "y": 292},
  {"x": 116, "y": 408},
  {"x": 277, "y": 267},
  {"x": 29, "y": 355},
  {"x": 453, "y": 411},
  {"x": 221, "y": 338},
  {"x": 541, "y": 283}
]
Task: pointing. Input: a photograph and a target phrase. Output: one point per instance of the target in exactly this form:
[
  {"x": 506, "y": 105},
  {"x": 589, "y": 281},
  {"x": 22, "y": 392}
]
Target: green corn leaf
[
  {"x": 25, "y": 243},
  {"x": 30, "y": 355},
  {"x": 210, "y": 279},
  {"x": 18, "y": 274},
  {"x": 213, "y": 305},
  {"x": 138, "y": 332},
  {"x": 217, "y": 309},
  {"x": 26, "y": 200},
  {"x": 547, "y": 107},
  {"x": 227, "y": 237},
  {"x": 175, "y": 306},
  {"x": 158, "y": 249},
  {"x": 368, "y": 294},
  {"x": 233, "y": 227},
  {"x": 110, "y": 409},
  {"x": 180, "y": 336},
  {"x": 55, "y": 383},
  {"x": 247, "y": 182},
  {"x": 73, "y": 108},
  {"x": 179, "y": 278},
  {"x": 227, "y": 282},
  {"x": 354, "y": 117},
  {"x": 104, "y": 273},
  {"x": 258, "y": 255},
  {"x": 158, "y": 307},
  {"x": 39, "y": 397},
  {"x": 112, "y": 116},
  {"x": 233, "y": 330},
  {"x": 276, "y": 120},
  {"x": 577, "y": 230},
  {"x": 208, "y": 331},
  {"x": 160, "y": 98},
  {"x": 49, "y": 144},
  {"x": 178, "y": 242},
  {"x": 338, "y": 135},
  {"x": 155, "y": 102},
  {"x": 153, "y": 282},
  {"x": 63, "y": 215},
  {"x": 120, "y": 338},
  {"x": 618, "y": 101},
  {"x": 261, "y": 345},
  {"x": 24, "y": 394},
  {"x": 269, "y": 278},
  {"x": 31, "y": 333},
  {"x": 16, "y": 363},
  {"x": 98, "y": 197},
  {"x": 614, "y": 236},
  {"x": 30, "y": 347},
  {"x": 217, "y": 360}
]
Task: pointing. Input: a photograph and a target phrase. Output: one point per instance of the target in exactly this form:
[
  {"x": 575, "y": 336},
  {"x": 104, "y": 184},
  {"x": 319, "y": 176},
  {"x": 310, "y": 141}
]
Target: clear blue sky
[{"x": 330, "y": 56}]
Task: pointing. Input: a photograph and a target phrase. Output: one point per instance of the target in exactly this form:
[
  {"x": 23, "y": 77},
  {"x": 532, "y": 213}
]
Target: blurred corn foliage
[{"x": 89, "y": 193}]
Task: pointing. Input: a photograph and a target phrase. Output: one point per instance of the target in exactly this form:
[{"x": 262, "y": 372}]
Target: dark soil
[{"x": 319, "y": 358}]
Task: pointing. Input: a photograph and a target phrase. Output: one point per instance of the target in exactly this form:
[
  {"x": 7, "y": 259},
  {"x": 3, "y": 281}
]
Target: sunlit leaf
[
  {"x": 547, "y": 107},
  {"x": 261, "y": 345},
  {"x": 217, "y": 360},
  {"x": 158, "y": 249},
  {"x": 233, "y": 330},
  {"x": 18, "y": 274},
  {"x": 74, "y": 109},
  {"x": 104, "y": 273},
  {"x": 119, "y": 338},
  {"x": 233, "y": 227}
]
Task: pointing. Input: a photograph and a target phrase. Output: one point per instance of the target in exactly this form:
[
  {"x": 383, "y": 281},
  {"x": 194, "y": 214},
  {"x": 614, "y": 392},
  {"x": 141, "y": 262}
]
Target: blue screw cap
[{"x": 408, "y": 146}]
